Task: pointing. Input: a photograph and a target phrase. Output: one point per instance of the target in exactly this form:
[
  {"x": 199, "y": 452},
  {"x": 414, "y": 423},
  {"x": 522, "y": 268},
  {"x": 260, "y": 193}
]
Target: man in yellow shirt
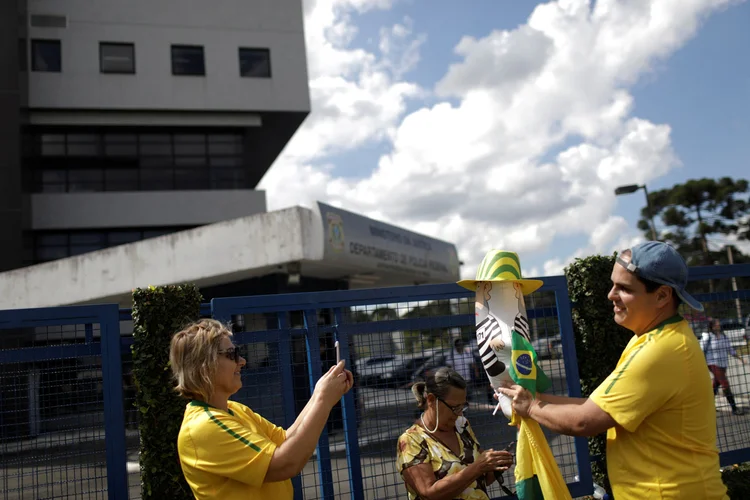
[{"x": 657, "y": 405}]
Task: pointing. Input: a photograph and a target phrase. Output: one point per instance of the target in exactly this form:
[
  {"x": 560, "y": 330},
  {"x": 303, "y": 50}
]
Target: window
[
  {"x": 255, "y": 63},
  {"x": 87, "y": 160},
  {"x": 188, "y": 60},
  {"x": 46, "y": 56},
  {"x": 117, "y": 57}
]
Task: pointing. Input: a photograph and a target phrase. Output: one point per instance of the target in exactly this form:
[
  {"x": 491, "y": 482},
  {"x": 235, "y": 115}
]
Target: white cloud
[{"x": 478, "y": 169}]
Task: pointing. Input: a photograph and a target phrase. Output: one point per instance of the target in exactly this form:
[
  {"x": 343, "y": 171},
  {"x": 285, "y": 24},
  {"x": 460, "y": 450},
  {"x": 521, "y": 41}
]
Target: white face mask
[
  {"x": 500, "y": 308},
  {"x": 460, "y": 423}
]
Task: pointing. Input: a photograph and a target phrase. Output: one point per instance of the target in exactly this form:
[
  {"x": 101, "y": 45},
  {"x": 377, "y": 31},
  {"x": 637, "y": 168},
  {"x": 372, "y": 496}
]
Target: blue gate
[
  {"x": 61, "y": 395},
  {"x": 288, "y": 340}
]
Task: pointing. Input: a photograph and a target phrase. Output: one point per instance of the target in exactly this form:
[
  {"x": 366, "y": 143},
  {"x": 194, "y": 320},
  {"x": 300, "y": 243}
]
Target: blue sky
[{"x": 700, "y": 89}]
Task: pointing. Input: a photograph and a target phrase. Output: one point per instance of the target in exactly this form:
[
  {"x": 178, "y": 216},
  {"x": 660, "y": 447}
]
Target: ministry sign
[{"x": 355, "y": 241}]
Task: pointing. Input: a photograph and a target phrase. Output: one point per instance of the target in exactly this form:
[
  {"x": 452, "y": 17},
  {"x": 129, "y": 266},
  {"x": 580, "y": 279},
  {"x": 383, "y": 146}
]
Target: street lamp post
[{"x": 632, "y": 188}]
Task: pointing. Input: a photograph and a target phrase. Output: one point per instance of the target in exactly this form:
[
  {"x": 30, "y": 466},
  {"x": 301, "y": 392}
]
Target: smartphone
[
  {"x": 338, "y": 352},
  {"x": 510, "y": 445}
]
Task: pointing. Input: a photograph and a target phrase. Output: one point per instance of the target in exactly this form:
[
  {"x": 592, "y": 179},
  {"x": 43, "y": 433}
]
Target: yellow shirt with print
[
  {"x": 664, "y": 445},
  {"x": 226, "y": 455}
]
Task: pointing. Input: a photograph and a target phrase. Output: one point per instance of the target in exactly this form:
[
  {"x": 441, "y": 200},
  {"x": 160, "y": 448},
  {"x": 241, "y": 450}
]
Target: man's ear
[{"x": 664, "y": 296}]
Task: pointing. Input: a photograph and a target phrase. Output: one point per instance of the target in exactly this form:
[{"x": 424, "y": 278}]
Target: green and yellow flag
[{"x": 537, "y": 474}]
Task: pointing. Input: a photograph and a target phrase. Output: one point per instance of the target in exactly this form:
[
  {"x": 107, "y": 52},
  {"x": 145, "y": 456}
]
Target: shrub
[
  {"x": 158, "y": 313},
  {"x": 599, "y": 340}
]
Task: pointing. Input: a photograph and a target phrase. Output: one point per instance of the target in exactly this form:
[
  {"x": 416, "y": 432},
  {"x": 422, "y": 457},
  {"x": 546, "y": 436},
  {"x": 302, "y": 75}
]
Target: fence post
[
  {"x": 287, "y": 384},
  {"x": 350, "y": 418},
  {"x": 114, "y": 418},
  {"x": 325, "y": 474}
]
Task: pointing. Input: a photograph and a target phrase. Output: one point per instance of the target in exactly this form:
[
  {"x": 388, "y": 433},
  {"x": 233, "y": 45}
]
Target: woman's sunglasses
[{"x": 232, "y": 354}]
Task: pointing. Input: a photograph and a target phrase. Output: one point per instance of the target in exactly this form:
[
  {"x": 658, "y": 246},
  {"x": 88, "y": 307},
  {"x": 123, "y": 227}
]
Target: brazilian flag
[{"x": 537, "y": 473}]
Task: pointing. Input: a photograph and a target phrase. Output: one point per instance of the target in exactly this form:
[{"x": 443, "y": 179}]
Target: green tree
[{"x": 699, "y": 215}]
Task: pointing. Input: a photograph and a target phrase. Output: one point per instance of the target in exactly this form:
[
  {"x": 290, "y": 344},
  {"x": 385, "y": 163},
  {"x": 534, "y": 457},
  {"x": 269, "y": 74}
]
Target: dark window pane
[
  {"x": 255, "y": 63},
  {"x": 52, "y": 240},
  {"x": 80, "y": 180},
  {"x": 123, "y": 237},
  {"x": 156, "y": 162},
  {"x": 156, "y": 180},
  {"x": 117, "y": 57},
  {"x": 226, "y": 162},
  {"x": 188, "y": 60},
  {"x": 52, "y": 145},
  {"x": 53, "y": 176},
  {"x": 88, "y": 238},
  {"x": 156, "y": 149},
  {"x": 190, "y": 161},
  {"x": 227, "y": 179},
  {"x": 189, "y": 145},
  {"x": 226, "y": 148},
  {"x": 82, "y": 149},
  {"x": 121, "y": 149},
  {"x": 120, "y": 138},
  {"x": 46, "y": 55},
  {"x": 191, "y": 178},
  {"x": 121, "y": 179}
]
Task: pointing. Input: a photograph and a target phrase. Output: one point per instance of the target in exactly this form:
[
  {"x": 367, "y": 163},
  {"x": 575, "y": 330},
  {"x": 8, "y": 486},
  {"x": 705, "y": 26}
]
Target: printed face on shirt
[
  {"x": 634, "y": 307},
  {"x": 227, "y": 379}
]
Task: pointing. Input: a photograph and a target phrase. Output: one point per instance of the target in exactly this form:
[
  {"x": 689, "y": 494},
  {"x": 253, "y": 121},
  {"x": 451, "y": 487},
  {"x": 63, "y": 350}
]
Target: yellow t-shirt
[
  {"x": 225, "y": 455},
  {"x": 664, "y": 445}
]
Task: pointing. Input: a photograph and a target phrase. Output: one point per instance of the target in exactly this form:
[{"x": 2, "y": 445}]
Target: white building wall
[
  {"x": 52, "y": 211},
  {"x": 220, "y": 27}
]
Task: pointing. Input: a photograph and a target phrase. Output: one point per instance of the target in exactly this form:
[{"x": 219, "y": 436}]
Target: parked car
[
  {"x": 393, "y": 372},
  {"x": 548, "y": 347}
]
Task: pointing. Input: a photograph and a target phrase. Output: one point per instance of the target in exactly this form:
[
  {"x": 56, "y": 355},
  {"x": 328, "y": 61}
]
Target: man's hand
[{"x": 522, "y": 400}]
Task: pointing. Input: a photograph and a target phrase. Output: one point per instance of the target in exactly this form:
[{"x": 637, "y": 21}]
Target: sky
[{"x": 508, "y": 124}]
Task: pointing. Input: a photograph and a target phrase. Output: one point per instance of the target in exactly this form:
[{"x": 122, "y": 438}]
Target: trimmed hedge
[
  {"x": 737, "y": 480},
  {"x": 599, "y": 340},
  {"x": 158, "y": 313}
]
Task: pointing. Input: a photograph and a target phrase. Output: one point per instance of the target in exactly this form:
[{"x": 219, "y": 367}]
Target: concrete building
[{"x": 132, "y": 138}]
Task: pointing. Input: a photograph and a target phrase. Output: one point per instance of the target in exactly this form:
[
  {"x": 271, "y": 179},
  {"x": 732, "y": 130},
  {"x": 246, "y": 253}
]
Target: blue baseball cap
[{"x": 659, "y": 262}]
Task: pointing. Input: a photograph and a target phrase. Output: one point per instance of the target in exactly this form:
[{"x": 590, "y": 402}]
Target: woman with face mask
[{"x": 439, "y": 456}]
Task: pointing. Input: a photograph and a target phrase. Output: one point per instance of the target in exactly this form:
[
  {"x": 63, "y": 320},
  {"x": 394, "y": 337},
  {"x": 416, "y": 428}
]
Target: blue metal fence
[
  {"x": 360, "y": 460},
  {"x": 67, "y": 426}
]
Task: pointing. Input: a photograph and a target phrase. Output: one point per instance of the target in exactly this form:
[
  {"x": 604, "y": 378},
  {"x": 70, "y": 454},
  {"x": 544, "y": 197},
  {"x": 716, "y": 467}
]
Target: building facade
[{"x": 125, "y": 121}]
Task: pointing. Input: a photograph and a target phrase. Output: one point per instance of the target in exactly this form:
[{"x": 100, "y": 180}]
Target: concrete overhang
[{"x": 326, "y": 242}]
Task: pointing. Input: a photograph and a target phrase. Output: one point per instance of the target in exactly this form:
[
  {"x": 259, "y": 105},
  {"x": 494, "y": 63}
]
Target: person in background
[
  {"x": 461, "y": 359},
  {"x": 717, "y": 348},
  {"x": 439, "y": 456},
  {"x": 226, "y": 450}
]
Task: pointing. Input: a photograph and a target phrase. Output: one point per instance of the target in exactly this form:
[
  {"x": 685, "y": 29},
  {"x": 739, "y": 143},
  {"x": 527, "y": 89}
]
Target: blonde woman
[{"x": 226, "y": 450}]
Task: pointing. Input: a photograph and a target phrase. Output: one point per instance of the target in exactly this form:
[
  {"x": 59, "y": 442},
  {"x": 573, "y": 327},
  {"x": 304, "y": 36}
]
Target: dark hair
[
  {"x": 652, "y": 286},
  {"x": 439, "y": 383}
]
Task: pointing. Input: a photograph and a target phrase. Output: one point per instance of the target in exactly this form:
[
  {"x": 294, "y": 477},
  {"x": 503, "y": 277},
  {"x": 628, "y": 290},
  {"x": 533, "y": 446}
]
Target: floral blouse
[{"x": 416, "y": 446}]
